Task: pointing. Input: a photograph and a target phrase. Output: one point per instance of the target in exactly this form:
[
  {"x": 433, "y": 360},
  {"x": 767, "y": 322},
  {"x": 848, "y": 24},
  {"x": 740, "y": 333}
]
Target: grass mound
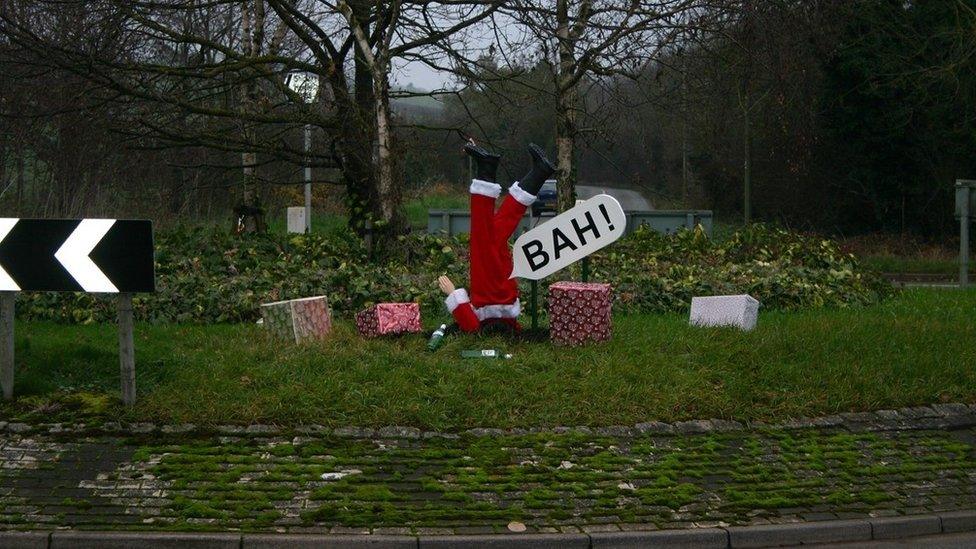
[{"x": 916, "y": 348}]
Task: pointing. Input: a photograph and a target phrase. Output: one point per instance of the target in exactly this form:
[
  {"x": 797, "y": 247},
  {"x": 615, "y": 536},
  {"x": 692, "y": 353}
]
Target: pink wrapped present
[
  {"x": 579, "y": 312},
  {"x": 389, "y": 319}
]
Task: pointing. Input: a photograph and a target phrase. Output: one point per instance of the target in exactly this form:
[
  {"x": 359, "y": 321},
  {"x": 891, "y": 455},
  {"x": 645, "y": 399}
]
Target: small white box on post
[
  {"x": 296, "y": 219},
  {"x": 740, "y": 311}
]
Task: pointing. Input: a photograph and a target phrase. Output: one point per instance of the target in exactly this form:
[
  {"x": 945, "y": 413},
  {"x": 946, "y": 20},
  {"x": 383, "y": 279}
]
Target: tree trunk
[
  {"x": 386, "y": 214},
  {"x": 355, "y": 143},
  {"x": 249, "y": 216},
  {"x": 389, "y": 191},
  {"x": 567, "y": 98},
  {"x": 566, "y": 148}
]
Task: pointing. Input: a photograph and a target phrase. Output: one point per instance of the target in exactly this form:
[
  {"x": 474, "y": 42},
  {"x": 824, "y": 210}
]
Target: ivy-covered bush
[
  {"x": 782, "y": 269},
  {"x": 206, "y": 275}
]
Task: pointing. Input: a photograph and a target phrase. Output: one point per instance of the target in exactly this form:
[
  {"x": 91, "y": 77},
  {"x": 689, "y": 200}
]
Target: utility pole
[
  {"x": 745, "y": 98},
  {"x": 965, "y": 200},
  {"x": 306, "y": 86},
  {"x": 747, "y": 167},
  {"x": 308, "y": 178},
  {"x": 684, "y": 135}
]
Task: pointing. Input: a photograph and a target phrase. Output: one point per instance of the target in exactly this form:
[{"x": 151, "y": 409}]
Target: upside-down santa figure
[{"x": 494, "y": 297}]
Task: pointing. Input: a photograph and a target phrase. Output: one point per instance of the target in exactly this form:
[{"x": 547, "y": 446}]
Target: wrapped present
[
  {"x": 739, "y": 311},
  {"x": 389, "y": 319},
  {"x": 298, "y": 319},
  {"x": 579, "y": 312}
]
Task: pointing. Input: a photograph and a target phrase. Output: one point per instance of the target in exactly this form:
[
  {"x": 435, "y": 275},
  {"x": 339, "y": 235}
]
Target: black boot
[
  {"x": 541, "y": 170},
  {"x": 485, "y": 163}
]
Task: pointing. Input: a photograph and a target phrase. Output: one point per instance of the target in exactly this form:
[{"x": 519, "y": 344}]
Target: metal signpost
[
  {"x": 308, "y": 179},
  {"x": 74, "y": 255},
  {"x": 965, "y": 209},
  {"x": 306, "y": 85}
]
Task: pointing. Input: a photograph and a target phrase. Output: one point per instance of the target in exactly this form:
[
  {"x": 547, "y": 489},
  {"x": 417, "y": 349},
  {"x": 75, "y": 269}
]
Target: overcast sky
[{"x": 421, "y": 76}]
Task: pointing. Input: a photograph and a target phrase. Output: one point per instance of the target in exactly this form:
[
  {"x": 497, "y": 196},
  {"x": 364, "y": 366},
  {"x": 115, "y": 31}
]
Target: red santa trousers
[{"x": 494, "y": 296}]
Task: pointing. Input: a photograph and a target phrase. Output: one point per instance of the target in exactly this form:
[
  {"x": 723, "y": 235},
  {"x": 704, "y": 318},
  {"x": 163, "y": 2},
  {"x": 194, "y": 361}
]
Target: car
[{"x": 546, "y": 199}]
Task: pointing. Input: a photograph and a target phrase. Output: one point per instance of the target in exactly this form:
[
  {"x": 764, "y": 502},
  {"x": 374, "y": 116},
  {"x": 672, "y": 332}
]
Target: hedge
[{"x": 210, "y": 276}]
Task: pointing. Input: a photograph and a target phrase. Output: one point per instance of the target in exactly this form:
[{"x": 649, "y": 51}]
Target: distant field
[
  {"x": 904, "y": 254},
  {"x": 912, "y": 265},
  {"x": 918, "y": 347},
  {"x": 415, "y": 210}
]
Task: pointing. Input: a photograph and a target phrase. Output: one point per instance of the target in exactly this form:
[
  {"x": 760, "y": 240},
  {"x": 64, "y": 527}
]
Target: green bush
[
  {"x": 783, "y": 270},
  {"x": 205, "y": 275}
]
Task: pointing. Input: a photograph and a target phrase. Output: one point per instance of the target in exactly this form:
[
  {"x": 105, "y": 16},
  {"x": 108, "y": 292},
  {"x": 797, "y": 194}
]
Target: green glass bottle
[{"x": 436, "y": 338}]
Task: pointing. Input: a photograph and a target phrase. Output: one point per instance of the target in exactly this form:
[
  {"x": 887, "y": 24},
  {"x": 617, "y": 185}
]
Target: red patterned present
[
  {"x": 579, "y": 312},
  {"x": 389, "y": 319}
]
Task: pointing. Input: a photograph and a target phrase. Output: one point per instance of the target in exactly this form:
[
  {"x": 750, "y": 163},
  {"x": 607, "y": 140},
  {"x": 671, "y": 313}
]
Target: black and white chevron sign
[{"x": 76, "y": 255}]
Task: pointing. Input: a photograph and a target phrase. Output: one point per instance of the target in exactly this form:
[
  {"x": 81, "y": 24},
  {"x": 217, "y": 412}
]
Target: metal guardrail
[{"x": 453, "y": 222}]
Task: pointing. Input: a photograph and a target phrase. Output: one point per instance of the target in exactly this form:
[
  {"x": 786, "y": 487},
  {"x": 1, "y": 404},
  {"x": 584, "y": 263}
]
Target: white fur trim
[
  {"x": 456, "y": 298},
  {"x": 511, "y": 310},
  {"x": 520, "y": 195},
  {"x": 485, "y": 188}
]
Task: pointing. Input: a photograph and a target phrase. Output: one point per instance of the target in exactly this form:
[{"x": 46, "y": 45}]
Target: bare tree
[
  {"x": 372, "y": 36},
  {"x": 586, "y": 40},
  {"x": 215, "y": 74}
]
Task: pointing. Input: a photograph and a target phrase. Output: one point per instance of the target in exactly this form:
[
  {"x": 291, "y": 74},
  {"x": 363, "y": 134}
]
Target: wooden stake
[
  {"x": 533, "y": 304},
  {"x": 127, "y": 352},
  {"x": 7, "y": 301}
]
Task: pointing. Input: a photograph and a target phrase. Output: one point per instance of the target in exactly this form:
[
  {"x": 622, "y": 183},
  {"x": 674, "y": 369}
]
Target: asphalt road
[
  {"x": 629, "y": 199},
  {"x": 945, "y": 541}
]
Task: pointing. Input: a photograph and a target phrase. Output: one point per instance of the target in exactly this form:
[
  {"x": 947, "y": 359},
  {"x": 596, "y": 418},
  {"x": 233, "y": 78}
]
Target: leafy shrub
[
  {"x": 783, "y": 270},
  {"x": 205, "y": 275}
]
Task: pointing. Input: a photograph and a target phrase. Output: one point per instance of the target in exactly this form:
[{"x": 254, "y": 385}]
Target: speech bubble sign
[{"x": 570, "y": 236}]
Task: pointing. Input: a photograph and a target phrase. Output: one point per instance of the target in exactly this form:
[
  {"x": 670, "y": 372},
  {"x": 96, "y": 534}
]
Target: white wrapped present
[
  {"x": 298, "y": 319},
  {"x": 740, "y": 311}
]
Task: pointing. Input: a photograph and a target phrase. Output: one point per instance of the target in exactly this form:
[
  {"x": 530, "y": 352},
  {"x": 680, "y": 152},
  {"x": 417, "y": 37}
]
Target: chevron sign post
[
  {"x": 72, "y": 255},
  {"x": 112, "y": 256}
]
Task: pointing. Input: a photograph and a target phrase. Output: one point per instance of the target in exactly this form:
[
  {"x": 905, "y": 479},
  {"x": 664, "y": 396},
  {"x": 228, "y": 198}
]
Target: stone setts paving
[{"x": 397, "y": 480}]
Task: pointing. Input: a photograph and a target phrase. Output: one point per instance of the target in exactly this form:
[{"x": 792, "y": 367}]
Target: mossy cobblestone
[{"x": 550, "y": 481}]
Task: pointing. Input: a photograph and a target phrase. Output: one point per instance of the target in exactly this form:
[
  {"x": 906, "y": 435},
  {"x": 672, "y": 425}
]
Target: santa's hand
[{"x": 446, "y": 285}]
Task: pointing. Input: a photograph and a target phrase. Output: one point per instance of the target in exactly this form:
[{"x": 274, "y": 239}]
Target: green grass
[
  {"x": 919, "y": 347},
  {"x": 416, "y": 210},
  {"x": 911, "y": 265}
]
